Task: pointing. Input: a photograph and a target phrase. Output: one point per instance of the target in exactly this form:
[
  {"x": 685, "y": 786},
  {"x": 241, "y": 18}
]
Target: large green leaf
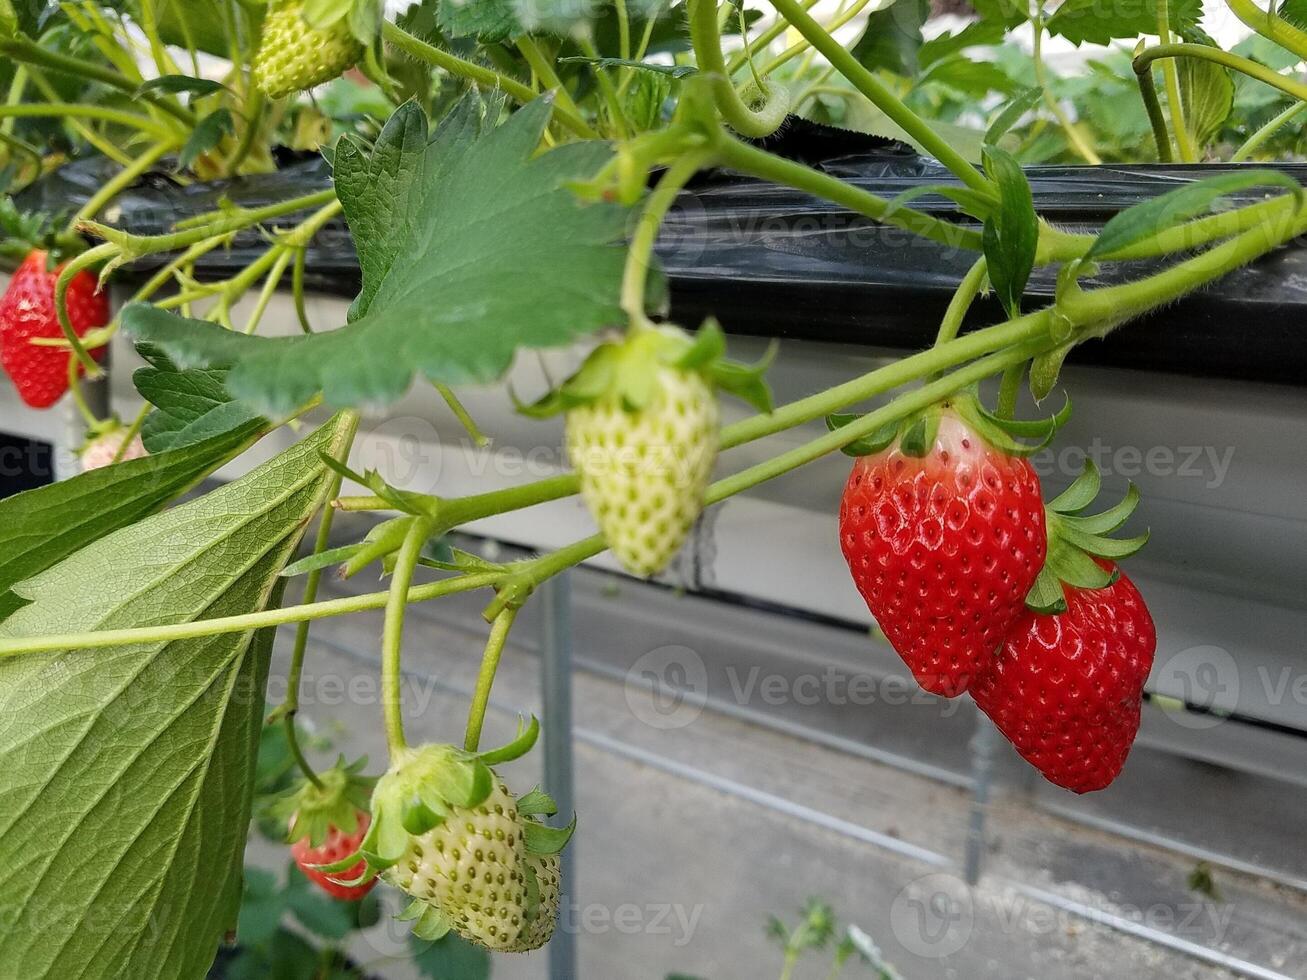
[
  {"x": 1095, "y": 22},
  {"x": 480, "y": 250},
  {"x": 127, "y": 773},
  {"x": 44, "y": 526}
]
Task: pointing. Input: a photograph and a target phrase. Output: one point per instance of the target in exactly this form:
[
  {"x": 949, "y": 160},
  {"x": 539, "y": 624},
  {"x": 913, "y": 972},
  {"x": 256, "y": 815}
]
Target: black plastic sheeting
[{"x": 770, "y": 261}]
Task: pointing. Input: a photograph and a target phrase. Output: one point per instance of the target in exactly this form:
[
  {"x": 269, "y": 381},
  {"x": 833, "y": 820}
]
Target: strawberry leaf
[
  {"x": 44, "y": 526},
  {"x": 480, "y": 251},
  {"x": 1081, "y": 21},
  {"x": 189, "y": 406},
  {"x": 1012, "y": 232},
  {"x": 128, "y": 772}
]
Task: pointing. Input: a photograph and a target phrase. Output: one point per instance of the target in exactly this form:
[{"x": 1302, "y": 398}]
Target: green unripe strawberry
[
  {"x": 294, "y": 56},
  {"x": 542, "y": 918},
  {"x": 644, "y": 473},
  {"x": 471, "y": 867},
  {"x": 642, "y": 433}
]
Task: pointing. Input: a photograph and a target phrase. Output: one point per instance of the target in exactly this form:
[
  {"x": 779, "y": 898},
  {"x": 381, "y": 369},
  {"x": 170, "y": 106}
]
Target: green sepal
[
  {"x": 311, "y": 811},
  {"x": 321, "y": 560},
  {"x": 1045, "y": 371},
  {"x": 423, "y": 813},
  {"x": 920, "y": 433},
  {"x": 514, "y": 750},
  {"x": 537, "y": 803},
  {"x": 628, "y": 369},
  {"x": 412, "y": 911},
  {"x": 382, "y": 541},
  {"x": 1075, "y": 543},
  {"x": 1077, "y": 569},
  {"x": 1109, "y": 520},
  {"x": 533, "y": 896},
  {"x": 877, "y": 442},
  {"x": 431, "y": 925},
  {"x": 1046, "y": 596},
  {"x": 545, "y": 840},
  {"x": 1081, "y": 493},
  {"x": 384, "y": 845},
  {"x": 404, "y": 501}
]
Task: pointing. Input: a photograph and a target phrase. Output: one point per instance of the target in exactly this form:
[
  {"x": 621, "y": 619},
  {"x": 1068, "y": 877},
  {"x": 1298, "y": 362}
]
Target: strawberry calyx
[
  {"x": 915, "y": 434},
  {"x": 1081, "y": 552},
  {"x": 629, "y": 368},
  {"x": 23, "y": 233},
  {"x": 340, "y": 796},
  {"x": 421, "y": 789}
]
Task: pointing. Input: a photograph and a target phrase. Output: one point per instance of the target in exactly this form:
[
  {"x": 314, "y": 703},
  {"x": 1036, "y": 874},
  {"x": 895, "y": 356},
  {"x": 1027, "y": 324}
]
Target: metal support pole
[
  {"x": 556, "y": 683},
  {"x": 983, "y": 746}
]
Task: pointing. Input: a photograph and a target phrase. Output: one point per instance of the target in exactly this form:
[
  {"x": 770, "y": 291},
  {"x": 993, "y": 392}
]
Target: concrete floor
[{"x": 691, "y": 836}]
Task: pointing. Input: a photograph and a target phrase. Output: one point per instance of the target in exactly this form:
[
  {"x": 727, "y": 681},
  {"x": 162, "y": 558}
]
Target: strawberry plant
[{"x": 505, "y": 170}]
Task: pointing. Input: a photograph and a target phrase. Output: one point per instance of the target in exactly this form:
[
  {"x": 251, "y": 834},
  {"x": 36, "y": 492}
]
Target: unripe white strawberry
[
  {"x": 101, "y": 451},
  {"x": 644, "y": 473},
  {"x": 471, "y": 867},
  {"x": 543, "y": 918}
]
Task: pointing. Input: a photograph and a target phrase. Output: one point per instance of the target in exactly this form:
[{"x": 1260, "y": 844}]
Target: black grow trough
[{"x": 771, "y": 261}]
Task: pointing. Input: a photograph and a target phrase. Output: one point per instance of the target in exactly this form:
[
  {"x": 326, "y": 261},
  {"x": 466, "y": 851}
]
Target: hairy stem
[
  {"x": 392, "y": 640},
  {"x": 476, "y": 717}
]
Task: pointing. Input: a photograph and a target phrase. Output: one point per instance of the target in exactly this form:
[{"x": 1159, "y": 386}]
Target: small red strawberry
[
  {"x": 1066, "y": 689},
  {"x": 1067, "y": 686},
  {"x": 944, "y": 538},
  {"x": 328, "y": 820},
  {"x": 337, "y": 846},
  {"x": 27, "y": 312}
]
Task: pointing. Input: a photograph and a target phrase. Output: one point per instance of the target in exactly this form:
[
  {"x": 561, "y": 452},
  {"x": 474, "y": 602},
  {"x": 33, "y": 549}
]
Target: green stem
[
  {"x": 132, "y": 432},
  {"x": 476, "y": 716},
  {"x": 750, "y": 121},
  {"x": 295, "y": 674},
  {"x": 544, "y": 70},
  {"x": 70, "y": 271},
  {"x": 799, "y": 47},
  {"x": 464, "y": 417},
  {"x": 623, "y": 29},
  {"x": 737, "y": 60},
  {"x": 270, "y": 285},
  {"x": 1257, "y": 139},
  {"x": 616, "y": 112},
  {"x": 297, "y": 289},
  {"x": 1270, "y": 26},
  {"x": 1009, "y": 390},
  {"x": 24, "y": 50},
  {"x": 484, "y": 77},
  {"x": 1171, "y": 78},
  {"x": 116, "y": 185},
  {"x": 392, "y": 638},
  {"x": 255, "y": 107},
  {"x": 759, "y": 163},
  {"x": 1205, "y": 52},
  {"x": 1073, "y": 134},
  {"x": 645, "y": 237},
  {"x": 885, "y": 100},
  {"x": 220, "y": 226},
  {"x": 968, "y": 289},
  {"x": 75, "y": 110},
  {"x": 1156, "y": 117}
]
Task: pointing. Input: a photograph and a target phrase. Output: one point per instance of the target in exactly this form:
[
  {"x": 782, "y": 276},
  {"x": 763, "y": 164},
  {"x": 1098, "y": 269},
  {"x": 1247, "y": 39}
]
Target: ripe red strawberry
[
  {"x": 944, "y": 548},
  {"x": 336, "y": 847},
  {"x": 1066, "y": 688},
  {"x": 27, "y": 311}
]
